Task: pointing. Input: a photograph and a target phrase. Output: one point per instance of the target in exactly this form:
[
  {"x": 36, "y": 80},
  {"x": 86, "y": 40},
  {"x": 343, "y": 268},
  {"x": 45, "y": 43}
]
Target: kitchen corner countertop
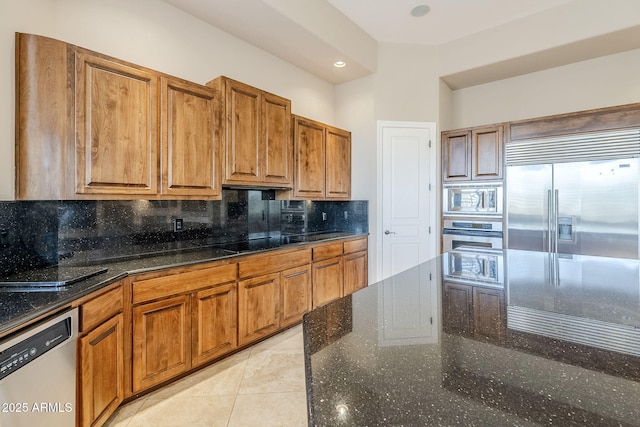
[
  {"x": 18, "y": 307},
  {"x": 549, "y": 340}
]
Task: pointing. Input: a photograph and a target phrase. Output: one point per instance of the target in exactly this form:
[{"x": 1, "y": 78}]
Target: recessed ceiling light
[
  {"x": 420, "y": 10},
  {"x": 339, "y": 64}
]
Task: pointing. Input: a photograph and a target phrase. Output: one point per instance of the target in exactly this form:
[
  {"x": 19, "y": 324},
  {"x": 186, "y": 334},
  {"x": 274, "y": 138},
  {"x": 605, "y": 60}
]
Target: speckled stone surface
[
  {"x": 131, "y": 236},
  {"x": 394, "y": 354},
  {"x": 18, "y": 307}
]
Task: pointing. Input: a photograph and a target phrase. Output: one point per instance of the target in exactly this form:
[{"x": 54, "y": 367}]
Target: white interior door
[{"x": 408, "y": 199}]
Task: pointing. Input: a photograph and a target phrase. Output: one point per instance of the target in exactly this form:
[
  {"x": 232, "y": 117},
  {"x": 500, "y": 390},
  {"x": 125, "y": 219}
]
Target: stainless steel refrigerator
[{"x": 574, "y": 195}]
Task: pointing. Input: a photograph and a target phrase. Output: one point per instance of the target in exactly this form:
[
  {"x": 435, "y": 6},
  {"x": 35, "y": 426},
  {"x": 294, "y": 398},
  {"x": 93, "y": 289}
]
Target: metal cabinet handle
[
  {"x": 549, "y": 219},
  {"x": 389, "y": 232}
]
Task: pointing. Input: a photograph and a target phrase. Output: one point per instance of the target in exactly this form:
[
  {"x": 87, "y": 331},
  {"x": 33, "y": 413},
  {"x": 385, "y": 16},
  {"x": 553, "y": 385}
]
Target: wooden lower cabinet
[
  {"x": 327, "y": 281},
  {"x": 489, "y": 313},
  {"x": 161, "y": 341},
  {"x": 101, "y": 353},
  {"x": 474, "y": 311},
  {"x": 355, "y": 272},
  {"x": 458, "y": 308},
  {"x": 295, "y": 294},
  {"x": 169, "y": 322},
  {"x": 258, "y": 307},
  {"x": 214, "y": 323}
]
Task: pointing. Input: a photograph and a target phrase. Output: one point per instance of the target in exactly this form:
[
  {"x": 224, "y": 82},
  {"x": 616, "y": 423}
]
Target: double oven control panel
[{"x": 472, "y": 215}]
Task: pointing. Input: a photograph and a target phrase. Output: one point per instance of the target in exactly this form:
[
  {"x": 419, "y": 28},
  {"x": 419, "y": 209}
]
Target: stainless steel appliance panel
[
  {"x": 468, "y": 233},
  {"x": 473, "y": 199},
  {"x": 38, "y": 374},
  {"x": 528, "y": 204},
  {"x": 476, "y": 266},
  {"x": 597, "y": 208},
  {"x": 588, "y": 208}
]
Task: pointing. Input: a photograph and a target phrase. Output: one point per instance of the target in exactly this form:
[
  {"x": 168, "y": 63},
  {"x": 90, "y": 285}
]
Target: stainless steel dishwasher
[{"x": 38, "y": 374}]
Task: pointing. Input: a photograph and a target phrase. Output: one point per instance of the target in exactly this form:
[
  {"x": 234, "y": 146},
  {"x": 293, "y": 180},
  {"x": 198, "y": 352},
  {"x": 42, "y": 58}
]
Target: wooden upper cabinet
[
  {"x": 117, "y": 127},
  {"x": 45, "y": 135},
  {"x": 456, "y": 156},
  {"x": 473, "y": 154},
  {"x": 276, "y": 135},
  {"x": 322, "y": 161},
  {"x": 309, "y": 146},
  {"x": 89, "y": 126},
  {"x": 257, "y": 135},
  {"x": 486, "y": 146},
  {"x": 190, "y": 161},
  {"x": 338, "y": 164}
]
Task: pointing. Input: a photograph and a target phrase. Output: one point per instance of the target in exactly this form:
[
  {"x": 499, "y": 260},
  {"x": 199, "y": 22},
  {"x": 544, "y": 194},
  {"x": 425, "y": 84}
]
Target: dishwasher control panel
[{"x": 18, "y": 355}]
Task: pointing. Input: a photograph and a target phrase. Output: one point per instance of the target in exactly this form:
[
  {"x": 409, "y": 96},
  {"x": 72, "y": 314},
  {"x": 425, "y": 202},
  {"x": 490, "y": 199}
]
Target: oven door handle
[{"x": 478, "y": 233}]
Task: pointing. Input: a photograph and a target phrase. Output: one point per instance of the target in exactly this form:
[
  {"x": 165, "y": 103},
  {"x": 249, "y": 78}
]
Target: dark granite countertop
[
  {"x": 19, "y": 305},
  {"x": 552, "y": 340}
]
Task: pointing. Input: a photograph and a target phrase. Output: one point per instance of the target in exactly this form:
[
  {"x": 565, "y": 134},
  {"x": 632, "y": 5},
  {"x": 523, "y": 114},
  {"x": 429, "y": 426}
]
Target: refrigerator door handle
[
  {"x": 555, "y": 220},
  {"x": 549, "y": 216}
]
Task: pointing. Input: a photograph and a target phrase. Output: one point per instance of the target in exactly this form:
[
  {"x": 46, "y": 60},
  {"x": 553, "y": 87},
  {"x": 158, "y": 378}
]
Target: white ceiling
[
  {"x": 313, "y": 34},
  {"x": 391, "y": 20}
]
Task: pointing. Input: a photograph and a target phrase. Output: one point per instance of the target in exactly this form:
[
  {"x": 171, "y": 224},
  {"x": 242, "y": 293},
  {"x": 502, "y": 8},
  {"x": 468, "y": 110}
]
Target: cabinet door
[
  {"x": 355, "y": 272},
  {"x": 101, "y": 370},
  {"x": 242, "y": 139},
  {"x": 277, "y": 146},
  {"x": 258, "y": 308},
  {"x": 456, "y": 156},
  {"x": 487, "y": 145},
  {"x": 488, "y": 306},
  {"x": 190, "y": 160},
  {"x": 295, "y": 294},
  {"x": 116, "y": 123},
  {"x": 327, "y": 281},
  {"x": 458, "y": 308},
  {"x": 338, "y": 164},
  {"x": 309, "y": 142},
  {"x": 161, "y": 338},
  {"x": 214, "y": 322}
]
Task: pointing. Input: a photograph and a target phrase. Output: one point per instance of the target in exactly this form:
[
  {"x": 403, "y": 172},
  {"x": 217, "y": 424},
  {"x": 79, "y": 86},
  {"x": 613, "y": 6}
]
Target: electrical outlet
[{"x": 178, "y": 224}]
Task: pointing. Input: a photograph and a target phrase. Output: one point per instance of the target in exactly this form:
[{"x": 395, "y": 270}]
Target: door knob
[{"x": 389, "y": 232}]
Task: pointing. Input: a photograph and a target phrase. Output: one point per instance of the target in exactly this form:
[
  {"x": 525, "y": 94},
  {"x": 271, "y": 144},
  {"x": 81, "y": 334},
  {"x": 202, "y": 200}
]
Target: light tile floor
[{"x": 260, "y": 386}]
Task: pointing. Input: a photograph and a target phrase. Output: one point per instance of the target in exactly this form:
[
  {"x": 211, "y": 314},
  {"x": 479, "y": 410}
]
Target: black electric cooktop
[
  {"x": 252, "y": 245},
  {"x": 49, "y": 277}
]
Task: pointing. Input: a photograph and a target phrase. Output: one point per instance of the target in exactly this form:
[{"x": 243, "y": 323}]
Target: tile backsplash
[{"x": 35, "y": 234}]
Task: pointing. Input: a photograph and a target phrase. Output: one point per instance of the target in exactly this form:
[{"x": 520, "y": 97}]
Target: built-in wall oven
[
  {"x": 479, "y": 233},
  {"x": 474, "y": 265},
  {"x": 472, "y": 199}
]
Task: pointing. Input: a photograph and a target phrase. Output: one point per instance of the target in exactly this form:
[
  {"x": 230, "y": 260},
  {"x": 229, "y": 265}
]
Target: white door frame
[{"x": 433, "y": 199}]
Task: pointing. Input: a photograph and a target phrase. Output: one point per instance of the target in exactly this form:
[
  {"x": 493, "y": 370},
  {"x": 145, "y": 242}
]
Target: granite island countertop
[
  {"x": 549, "y": 340},
  {"x": 18, "y": 307}
]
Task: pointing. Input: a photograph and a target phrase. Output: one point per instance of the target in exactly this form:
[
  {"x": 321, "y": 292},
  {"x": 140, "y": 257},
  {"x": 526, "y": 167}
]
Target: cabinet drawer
[
  {"x": 355, "y": 246},
  {"x": 174, "y": 284},
  {"x": 274, "y": 262},
  {"x": 101, "y": 308},
  {"x": 327, "y": 251}
]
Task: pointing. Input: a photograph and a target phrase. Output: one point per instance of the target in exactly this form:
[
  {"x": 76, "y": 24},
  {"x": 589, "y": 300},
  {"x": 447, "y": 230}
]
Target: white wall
[
  {"x": 601, "y": 82},
  {"x": 153, "y": 34},
  {"x": 571, "y": 22},
  {"x": 355, "y": 111},
  {"x": 406, "y": 83},
  {"x": 405, "y": 88}
]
